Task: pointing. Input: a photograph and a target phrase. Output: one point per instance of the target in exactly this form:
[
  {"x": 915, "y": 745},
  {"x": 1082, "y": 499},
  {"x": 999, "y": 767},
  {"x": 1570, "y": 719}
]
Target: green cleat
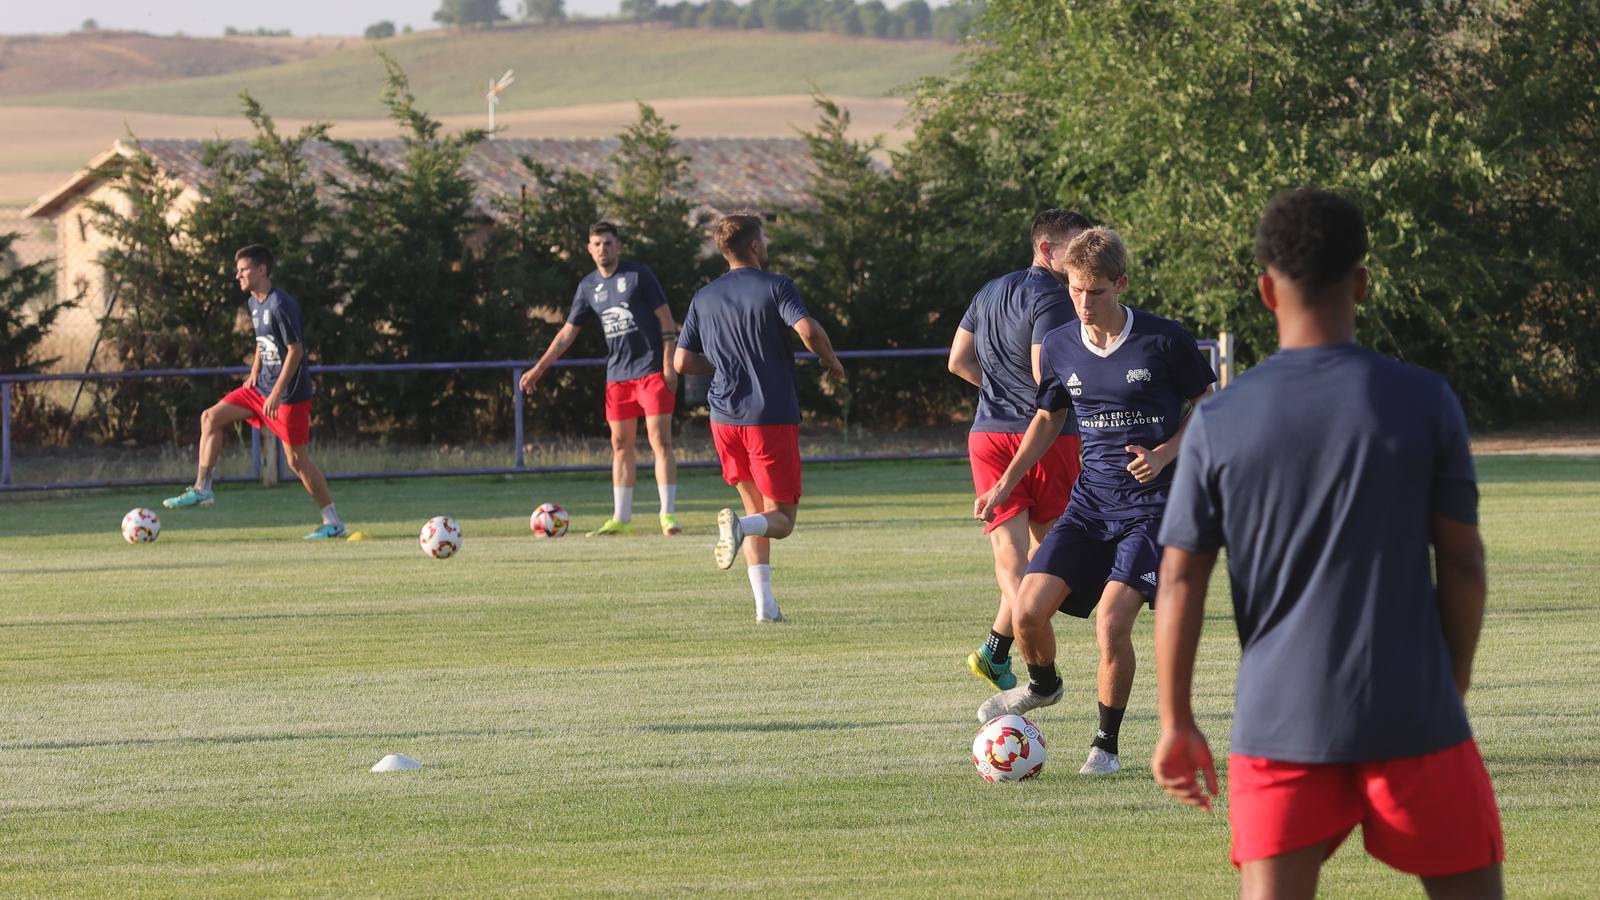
[
  {"x": 998, "y": 675},
  {"x": 612, "y": 526},
  {"x": 669, "y": 525},
  {"x": 189, "y": 498},
  {"x": 326, "y": 533}
]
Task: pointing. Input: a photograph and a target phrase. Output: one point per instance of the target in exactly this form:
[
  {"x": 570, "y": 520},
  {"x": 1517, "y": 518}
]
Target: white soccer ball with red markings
[
  {"x": 1008, "y": 748},
  {"x": 140, "y": 526},
  {"x": 548, "y": 521},
  {"x": 441, "y": 537}
]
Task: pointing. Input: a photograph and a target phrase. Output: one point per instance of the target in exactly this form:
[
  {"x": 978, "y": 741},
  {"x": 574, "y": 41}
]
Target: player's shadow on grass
[{"x": 737, "y": 728}]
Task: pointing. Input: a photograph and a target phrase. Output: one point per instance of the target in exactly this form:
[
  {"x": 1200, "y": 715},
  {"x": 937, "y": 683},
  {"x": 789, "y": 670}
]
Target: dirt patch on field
[
  {"x": 45, "y": 145},
  {"x": 92, "y": 61},
  {"x": 1550, "y": 439}
]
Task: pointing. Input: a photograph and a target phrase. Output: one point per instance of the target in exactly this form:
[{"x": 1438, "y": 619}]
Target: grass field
[
  {"x": 557, "y": 67},
  {"x": 601, "y": 718}
]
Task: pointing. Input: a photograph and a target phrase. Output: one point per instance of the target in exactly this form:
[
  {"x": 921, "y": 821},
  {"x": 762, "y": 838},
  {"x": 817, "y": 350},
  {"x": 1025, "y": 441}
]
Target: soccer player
[
  {"x": 1127, "y": 375},
  {"x": 997, "y": 348},
  {"x": 627, "y": 300},
  {"x": 736, "y": 330},
  {"x": 276, "y": 395},
  {"x": 1328, "y": 471}
]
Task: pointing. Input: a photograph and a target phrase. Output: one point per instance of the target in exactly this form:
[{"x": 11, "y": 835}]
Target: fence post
[
  {"x": 1224, "y": 359},
  {"x": 269, "y": 455},
  {"x": 516, "y": 404},
  {"x": 5, "y": 433}
]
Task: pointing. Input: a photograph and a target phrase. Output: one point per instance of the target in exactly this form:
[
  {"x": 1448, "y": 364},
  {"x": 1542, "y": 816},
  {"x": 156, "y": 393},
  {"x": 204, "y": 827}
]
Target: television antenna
[{"x": 493, "y": 95}]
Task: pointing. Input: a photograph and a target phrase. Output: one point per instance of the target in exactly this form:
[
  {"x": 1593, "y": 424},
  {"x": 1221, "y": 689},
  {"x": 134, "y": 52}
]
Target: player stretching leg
[
  {"x": 1328, "y": 471},
  {"x": 1127, "y": 375},
  {"x": 997, "y": 349},
  {"x": 276, "y": 395},
  {"x": 736, "y": 330},
  {"x": 626, "y": 299}
]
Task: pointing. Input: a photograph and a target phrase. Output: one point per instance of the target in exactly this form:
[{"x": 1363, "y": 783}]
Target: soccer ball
[
  {"x": 1008, "y": 748},
  {"x": 441, "y": 537},
  {"x": 140, "y": 526},
  {"x": 549, "y": 520}
]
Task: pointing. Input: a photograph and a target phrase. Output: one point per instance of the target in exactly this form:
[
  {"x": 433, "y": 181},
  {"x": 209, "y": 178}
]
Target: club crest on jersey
[
  {"x": 1138, "y": 375},
  {"x": 622, "y": 284}
]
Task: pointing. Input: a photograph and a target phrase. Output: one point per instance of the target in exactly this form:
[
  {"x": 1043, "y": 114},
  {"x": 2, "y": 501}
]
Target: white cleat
[
  {"x": 1100, "y": 763},
  {"x": 775, "y": 617},
  {"x": 1017, "y": 701},
  {"x": 729, "y": 537}
]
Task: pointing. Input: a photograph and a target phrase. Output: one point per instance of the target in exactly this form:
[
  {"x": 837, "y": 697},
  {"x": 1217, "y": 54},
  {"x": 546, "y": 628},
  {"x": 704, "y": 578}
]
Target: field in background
[
  {"x": 572, "y": 66},
  {"x": 603, "y": 717}
]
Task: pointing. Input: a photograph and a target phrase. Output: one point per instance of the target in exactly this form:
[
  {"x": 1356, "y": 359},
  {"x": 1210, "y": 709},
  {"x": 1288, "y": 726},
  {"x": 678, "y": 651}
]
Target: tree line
[
  {"x": 872, "y": 18},
  {"x": 1466, "y": 132}
]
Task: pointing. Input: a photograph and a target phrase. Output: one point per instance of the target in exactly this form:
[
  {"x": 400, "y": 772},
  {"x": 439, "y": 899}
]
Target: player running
[
  {"x": 737, "y": 331},
  {"x": 997, "y": 348},
  {"x": 1328, "y": 471},
  {"x": 276, "y": 395},
  {"x": 626, "y": 299},
  {"x": 1127, "y": 375}
]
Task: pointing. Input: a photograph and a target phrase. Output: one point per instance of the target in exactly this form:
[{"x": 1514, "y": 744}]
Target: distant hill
[
  {"x": 570, "y": 65},
  {"x": 95, "y": 60}
]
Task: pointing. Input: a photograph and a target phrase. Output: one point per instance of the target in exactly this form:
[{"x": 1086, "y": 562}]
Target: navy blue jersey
[
  {"x": 741, "y": 322},
  {"x": 1007, "y": 317},
  {"x": 1131, "y": 393},
  {"x": 625, "y": 305},
  {"x": 1320, "y": 470},
  {"x": 278, "y": 324}
]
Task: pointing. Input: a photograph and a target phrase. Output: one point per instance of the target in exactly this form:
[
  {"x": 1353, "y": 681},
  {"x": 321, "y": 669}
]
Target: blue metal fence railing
[{"x": 1214, "y": 351}]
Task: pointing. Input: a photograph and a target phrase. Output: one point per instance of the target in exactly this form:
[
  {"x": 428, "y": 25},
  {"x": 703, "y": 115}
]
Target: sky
[{"x": 207, "y": 18}]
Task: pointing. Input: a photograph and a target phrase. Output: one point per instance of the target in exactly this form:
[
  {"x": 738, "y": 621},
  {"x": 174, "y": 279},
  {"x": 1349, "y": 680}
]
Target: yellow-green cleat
[
  {"x": 999, "y": 675},
  {"x": 612, "y": 526},
  {"x": 669, "y": 525}
]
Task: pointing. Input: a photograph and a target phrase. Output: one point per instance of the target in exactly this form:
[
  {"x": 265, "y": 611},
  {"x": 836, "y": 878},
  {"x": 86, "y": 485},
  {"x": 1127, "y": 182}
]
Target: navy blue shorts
[{"x": 1087, "y": 552}]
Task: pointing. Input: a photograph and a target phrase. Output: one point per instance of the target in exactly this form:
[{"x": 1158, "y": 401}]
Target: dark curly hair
[{"x": 1314, "y": 237}]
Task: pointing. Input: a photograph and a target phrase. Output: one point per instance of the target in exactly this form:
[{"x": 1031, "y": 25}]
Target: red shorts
[
  {"x": 1043, "y": 491},
  {"x": 292, "y": 423},
  {"x": 769, "y": 455},
  {"x": 1428, "y": 815},
  {"x": 647, "y": 396}
]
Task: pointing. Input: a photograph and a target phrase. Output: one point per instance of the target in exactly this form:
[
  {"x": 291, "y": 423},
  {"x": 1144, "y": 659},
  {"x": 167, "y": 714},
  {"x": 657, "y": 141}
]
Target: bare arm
[
  {"x": 560, "y": 344},
  {"x": 964, "y": 357},
  {"x": 669, "y": 342},
  {"x": 687, "y": 362},
  {"x": 1038, "y": 373},
  {"x": 1042, "y": 432},
  {"x": 816, "y": 340},
  {"x": 291, "y": 364},
  {"x": 255, "y": 369},
  {"x": 1147, "y": 464},
  {"x": 1463, "y": 592},
  {"x": 1180, "y": 613}
]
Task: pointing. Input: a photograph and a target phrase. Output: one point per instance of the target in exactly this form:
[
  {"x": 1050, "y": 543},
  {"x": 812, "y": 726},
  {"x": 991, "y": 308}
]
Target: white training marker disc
[{"x": 396, "y": 762}]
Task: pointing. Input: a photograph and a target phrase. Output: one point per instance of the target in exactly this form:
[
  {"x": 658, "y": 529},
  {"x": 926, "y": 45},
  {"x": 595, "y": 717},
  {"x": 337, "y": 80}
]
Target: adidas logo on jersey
[
  {"x": 1072, "y": 380},
  {"x": 1148, "y": 576}
]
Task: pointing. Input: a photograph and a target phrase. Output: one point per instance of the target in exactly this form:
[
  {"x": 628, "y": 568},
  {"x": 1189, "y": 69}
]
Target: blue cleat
[
  {"x": 998, "y": 675},
  {"x": 326, "y": 533},
  {"x": 189, "y": 498}
]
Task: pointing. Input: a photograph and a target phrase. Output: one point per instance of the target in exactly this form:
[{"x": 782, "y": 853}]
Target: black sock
[
  {"x": 1043, "y": 680},
  {"x": 1105, "y": 737},
  {"x": 999, "y": 646}
]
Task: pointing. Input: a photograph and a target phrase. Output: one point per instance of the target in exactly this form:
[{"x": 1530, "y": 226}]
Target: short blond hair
[
  {"x": 1099, "y": 252},
  {"x": 733, "y": 233}
]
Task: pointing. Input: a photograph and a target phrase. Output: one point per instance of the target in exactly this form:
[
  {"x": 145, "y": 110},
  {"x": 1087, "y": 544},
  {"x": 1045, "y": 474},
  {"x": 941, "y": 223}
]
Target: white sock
[
  {"x": 669, "y": 497},
  {"x": 753, "y": 526},
  {"x": 622, "y": 503},
  {"x": 330, "y": 516},
  {"x": 761, "y": 587}
]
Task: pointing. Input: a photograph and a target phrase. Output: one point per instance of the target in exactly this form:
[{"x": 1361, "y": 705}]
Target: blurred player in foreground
[{"x": 1328, "y": 471}]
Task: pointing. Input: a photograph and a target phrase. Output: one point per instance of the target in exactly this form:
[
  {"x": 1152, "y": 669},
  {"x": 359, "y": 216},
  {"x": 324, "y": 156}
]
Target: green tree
[
  {"x": 639, "y": 10},
  {"x": 377, "y": 31},
  {"x": 545, "y": 12},
  {"x": 465, "y": 13},
  {"x": 25, "y": 312}
]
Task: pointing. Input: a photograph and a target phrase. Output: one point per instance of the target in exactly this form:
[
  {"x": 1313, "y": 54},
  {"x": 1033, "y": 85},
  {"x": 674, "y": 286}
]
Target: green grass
[
  {"x": 555, "y": 67},
  {"x": 598, "y": 718}
]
